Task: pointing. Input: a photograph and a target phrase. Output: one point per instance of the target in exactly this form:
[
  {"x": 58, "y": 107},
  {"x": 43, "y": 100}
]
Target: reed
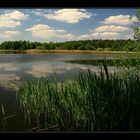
[
  {"x": 91, "y": 102},
  {"x": 4, "y": 125}
]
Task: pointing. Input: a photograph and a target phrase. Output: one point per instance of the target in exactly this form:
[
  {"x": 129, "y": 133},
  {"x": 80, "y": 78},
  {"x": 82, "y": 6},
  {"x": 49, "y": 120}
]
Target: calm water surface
[{"x": 17, "y": 67}]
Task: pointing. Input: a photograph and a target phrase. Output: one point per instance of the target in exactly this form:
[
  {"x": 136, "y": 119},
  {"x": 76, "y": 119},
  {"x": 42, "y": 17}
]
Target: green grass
[
  {"x": 119, "y": 62},
  {"x": 91, "y": 102}
]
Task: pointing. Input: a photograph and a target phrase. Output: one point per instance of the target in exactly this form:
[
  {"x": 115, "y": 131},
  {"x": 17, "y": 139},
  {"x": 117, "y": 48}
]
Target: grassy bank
[
  {"x": 36, "y": 51},
  {"x": 91, "y": 102}
]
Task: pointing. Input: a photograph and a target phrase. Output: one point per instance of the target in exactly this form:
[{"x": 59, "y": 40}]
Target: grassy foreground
[{"x": 91, "y": 102}]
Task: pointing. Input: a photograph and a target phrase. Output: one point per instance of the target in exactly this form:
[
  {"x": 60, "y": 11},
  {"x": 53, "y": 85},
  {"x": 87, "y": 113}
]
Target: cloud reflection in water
[{"x": 17, "y": 71}]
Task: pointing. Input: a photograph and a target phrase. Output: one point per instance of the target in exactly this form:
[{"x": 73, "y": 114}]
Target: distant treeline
[{"x": 99, "y": 45}]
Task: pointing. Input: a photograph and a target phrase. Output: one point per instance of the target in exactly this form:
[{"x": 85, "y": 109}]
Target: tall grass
[
  {"x": 91, "y": 102},
  {"x": 4, "y": 118}
]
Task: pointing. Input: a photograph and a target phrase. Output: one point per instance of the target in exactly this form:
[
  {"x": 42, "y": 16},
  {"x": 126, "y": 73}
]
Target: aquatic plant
[{"x": 91, "y": 102}]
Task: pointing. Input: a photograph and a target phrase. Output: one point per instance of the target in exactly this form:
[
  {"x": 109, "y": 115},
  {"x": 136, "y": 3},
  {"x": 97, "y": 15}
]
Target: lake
[{"x": 15, "y": 68}]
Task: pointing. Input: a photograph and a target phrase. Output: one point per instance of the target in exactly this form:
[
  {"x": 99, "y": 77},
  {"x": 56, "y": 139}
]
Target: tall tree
[{"x": 136, "y": 26}]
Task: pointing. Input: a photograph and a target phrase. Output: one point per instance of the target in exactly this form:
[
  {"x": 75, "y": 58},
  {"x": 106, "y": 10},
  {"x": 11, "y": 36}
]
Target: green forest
[{"x": 97, "y": 45}]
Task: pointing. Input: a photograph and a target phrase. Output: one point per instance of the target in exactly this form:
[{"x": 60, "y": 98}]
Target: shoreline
[{"x": 37, "y": 51}]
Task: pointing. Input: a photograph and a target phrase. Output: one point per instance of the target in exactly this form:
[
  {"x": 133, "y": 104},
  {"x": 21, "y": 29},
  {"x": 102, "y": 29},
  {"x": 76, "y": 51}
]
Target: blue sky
[{"x": 66, "y": 24}]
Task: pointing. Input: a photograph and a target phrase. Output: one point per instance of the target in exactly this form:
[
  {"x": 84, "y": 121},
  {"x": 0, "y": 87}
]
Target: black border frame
[{"x": 70, "y": 4}]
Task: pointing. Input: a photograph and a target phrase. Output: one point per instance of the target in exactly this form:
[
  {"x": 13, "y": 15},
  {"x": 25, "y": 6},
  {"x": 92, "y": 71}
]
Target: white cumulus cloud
[
  {"x": 120, "y": 19},
  {"x": 9, "y": 23},
  {"x": 66, "y": 15},
  {"x": 106, "y": 35},
  {"x": 9, "y": 34},
  {"x": 41, "y": 31},
  {"x": 110, "y": 28},
  {"x": 12, "y": 19},
  {"x": 45, "y": 31},
  {"x": 14, "y": 15},
  {"x": 84, "y": 37}
]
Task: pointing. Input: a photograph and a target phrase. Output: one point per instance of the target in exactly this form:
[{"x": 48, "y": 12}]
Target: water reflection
[
  {"x": 15, "y": 68},
  {"x": 8, "y": 67},
  {"x": 40, "y": 70}
]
